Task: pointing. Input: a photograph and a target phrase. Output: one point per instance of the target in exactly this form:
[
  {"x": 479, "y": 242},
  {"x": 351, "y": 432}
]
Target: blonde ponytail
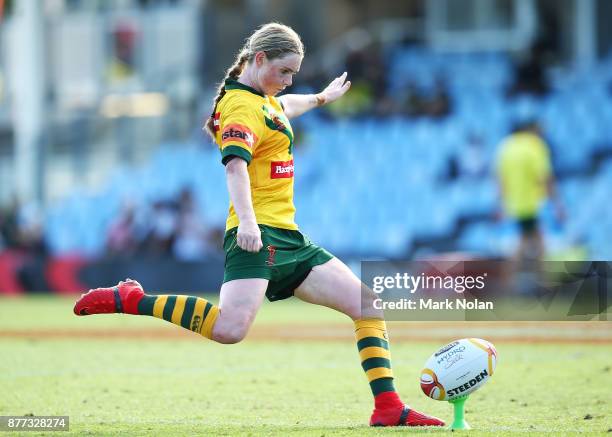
[{"x": 232, "y": 73}]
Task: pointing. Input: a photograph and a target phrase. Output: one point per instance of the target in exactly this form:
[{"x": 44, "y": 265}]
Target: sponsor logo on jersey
[
  {"x": 281, "y": 169},
  {"x": 233, "y": 133}
]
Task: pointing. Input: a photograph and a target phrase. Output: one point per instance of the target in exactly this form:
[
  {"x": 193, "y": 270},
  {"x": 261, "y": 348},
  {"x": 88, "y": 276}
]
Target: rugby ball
[{"x": 458, "y": 369}]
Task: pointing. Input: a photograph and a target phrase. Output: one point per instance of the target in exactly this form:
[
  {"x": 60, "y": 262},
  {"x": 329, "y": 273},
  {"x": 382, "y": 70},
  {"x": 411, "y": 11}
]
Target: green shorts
[{"x": 285, "y": 260}]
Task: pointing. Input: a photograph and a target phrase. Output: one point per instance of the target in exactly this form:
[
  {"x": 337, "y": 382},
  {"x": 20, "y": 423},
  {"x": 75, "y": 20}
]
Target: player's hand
[
  {"x": 336, "y": 89},
  {"x": 249, "y": 237}
]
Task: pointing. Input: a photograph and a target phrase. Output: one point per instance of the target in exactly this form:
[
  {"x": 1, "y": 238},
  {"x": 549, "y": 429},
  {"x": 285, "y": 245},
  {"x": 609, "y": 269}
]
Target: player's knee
[{"x": 231, "y": 335}]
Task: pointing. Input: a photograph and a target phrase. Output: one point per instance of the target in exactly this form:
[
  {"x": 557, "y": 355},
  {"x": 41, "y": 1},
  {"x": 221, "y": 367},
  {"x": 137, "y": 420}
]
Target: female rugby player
[{"x": 265, "y": 252}]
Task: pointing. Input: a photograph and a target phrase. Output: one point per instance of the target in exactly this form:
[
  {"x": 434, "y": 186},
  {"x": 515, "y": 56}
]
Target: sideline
[{"x": 515, "y": 332}]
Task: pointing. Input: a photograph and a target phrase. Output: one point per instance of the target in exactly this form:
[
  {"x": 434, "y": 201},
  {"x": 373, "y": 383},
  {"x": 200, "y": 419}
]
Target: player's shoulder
[
  {"x": 516, "y": 143},
  {"x": 240, "y": 102},
  {"x": 540, "y": 142}
]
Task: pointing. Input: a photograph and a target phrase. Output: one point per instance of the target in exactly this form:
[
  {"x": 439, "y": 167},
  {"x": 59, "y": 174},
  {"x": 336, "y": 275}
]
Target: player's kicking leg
[
  {"x": 334, "y": 285},
  {"x": 227, "y": 323}
]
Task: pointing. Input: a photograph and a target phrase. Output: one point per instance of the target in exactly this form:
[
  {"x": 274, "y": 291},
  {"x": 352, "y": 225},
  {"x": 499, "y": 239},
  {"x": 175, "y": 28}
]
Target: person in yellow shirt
[
  {"x": 526, "y": 180},
  {"x": 266, "y": 254}
]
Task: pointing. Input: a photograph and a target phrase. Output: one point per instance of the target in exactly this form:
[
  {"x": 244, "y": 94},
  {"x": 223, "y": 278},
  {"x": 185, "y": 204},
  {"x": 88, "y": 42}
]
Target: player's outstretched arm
[{"x": 296, "y": 104}]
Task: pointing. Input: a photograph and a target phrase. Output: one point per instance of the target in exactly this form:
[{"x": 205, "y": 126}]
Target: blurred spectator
[
  {"x": 21, "y": 228},
  {"x": 439, "y": 104},
  {"x": 358, "y": 101},
  {"x": 31, "y": 235},
  {"x": 470, "y": 160},
  {"x": 168, "y": 228},
  {"x": 122, "y": 237},
  {"x": 123, "y": 62},
  {"x": 368, "y": 93},
  {"x": 416, "y": 103},
  {"x": 526, "y": 180},
  {"x": 191, "y": 242},
  {"x": 413, "y": 103},
  {"x": 8, "y": 225},
  {"x": 162, "y": 229},
  {"x": 367, "y": 65},
  {"x": 530, "y": 74}
]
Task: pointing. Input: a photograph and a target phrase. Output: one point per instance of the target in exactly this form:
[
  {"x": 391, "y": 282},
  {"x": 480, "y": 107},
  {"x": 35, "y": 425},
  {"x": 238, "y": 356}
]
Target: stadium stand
[{"x": 377, "y": 187}]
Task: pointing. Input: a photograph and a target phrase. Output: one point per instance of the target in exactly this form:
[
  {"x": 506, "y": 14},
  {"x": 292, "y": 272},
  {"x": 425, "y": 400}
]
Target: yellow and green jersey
[
  {"x": 523, "y": 168},
  {"x": 254, "y": 127}
]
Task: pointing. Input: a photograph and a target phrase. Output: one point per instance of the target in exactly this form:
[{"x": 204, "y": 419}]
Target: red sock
[{"x": 388, "y": 400}]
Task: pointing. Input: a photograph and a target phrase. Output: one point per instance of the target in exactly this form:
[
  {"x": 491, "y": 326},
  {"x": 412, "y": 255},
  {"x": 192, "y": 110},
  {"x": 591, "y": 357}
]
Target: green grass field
[{"x": 112, "y": 376}]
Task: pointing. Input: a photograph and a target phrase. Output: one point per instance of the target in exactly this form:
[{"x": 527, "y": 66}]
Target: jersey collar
[{"x": 232, "y": 84}]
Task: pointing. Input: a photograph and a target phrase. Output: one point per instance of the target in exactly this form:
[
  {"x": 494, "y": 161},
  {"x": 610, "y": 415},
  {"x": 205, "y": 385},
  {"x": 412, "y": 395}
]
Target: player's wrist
[
  {"x": 248, "y": 221},
  {"x": 320, "y": 99}
]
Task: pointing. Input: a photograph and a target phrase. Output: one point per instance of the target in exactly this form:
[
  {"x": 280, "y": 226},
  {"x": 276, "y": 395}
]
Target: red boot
[
  {"x": 122, "y": 298},
  {"x": 403, "y": 416}
]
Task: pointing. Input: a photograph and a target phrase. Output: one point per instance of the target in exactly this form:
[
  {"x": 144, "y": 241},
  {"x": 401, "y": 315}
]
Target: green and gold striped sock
[
  {"x": 193, "y": 313},
  {"x": 373, "y": 346}
]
